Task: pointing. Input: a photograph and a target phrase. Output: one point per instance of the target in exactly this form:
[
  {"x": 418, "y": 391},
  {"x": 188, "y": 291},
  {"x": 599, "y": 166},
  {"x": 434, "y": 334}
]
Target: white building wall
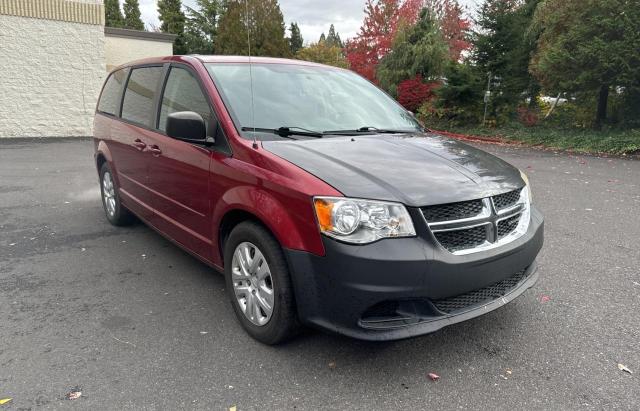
[
  {"x": 120, "y": 50},
  {"x": 51, "y": 72}
]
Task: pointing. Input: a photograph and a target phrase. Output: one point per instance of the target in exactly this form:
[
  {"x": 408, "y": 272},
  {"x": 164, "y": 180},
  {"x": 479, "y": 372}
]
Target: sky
[{"x": 313, "y": 16}]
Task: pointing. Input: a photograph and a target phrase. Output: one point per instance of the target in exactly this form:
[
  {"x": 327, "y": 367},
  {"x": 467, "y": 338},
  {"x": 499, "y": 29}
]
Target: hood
[{"x": 416, "y": 170}]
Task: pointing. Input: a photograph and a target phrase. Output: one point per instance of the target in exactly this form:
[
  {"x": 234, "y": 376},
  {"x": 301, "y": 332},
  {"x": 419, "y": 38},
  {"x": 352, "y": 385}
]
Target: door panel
[
  {"x": 131, "y": 167},
  {"x": 130, "y": 142},
  {"x": 179, "y": 171},
  {"x": 178, "y": 182}
]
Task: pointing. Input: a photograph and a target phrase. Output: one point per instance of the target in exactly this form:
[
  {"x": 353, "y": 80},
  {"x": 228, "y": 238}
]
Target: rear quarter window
[
  {"x": 139, "y": 95},
  {"x": 110, "y": 98}
]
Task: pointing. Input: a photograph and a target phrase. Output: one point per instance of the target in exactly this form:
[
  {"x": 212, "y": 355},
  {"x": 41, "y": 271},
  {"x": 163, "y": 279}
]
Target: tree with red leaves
[
  {"x": 414, "y": 92},
  {"x": 455, "y": 27},
  {"x": 374, "y": 41}
]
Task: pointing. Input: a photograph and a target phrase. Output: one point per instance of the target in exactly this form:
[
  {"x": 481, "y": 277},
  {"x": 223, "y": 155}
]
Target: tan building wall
[
  {"x": 123, "y": 46},
  {"x": 52, "y": 66}
]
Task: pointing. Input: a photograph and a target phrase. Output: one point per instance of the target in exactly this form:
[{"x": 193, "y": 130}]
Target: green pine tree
[
  {"x": 266, "y": 29},
  {"x": 588, "y": 48},
  {"x": 113, "y": 15},
  {"x": 295, "y": 41},
  {"x": 333, "y": 38},
  {"x": 322, "y": 39},
  {"x": 132, "y": 18},
  {"x": 202, "y": 26},
  {"x": 417, "y": 50},
  {"x": 232, "y": 30},
  {"x": 503, "y": 48},
  {"x": 172, "y": 20}
]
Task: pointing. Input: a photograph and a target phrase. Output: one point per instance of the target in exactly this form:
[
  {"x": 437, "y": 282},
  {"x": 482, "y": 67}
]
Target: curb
[{"x": 480, "y": 139}]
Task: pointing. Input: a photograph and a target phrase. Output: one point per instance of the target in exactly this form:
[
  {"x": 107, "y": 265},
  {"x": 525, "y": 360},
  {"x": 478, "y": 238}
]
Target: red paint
[{"x": 184, "y": 190}]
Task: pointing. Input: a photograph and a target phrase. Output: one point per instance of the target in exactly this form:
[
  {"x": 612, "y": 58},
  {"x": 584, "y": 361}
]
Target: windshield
[{"x": 313, "y": 98}]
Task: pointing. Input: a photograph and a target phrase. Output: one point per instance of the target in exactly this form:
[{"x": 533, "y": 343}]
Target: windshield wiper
[
  {"x": 286, "y": 132},
  {"x": 367, "y": 130}
]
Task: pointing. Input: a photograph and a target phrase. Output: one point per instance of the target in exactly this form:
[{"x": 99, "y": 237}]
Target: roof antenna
[{"x": 253, "y": 115}]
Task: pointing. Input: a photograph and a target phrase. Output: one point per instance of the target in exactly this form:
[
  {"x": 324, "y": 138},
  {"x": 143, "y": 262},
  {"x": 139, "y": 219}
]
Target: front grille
[
  {"x": 453, "y": 211},
  {"x": 471, "y": 226},
  {"x": 462, "y": 239},
  {"x": 486, "y": 294},
  {"x": 506, "y": 227},
  {"x": 506, "y": 200}
]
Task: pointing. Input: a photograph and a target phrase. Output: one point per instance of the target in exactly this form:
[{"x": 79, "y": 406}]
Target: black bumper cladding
[
  {"x": 400, "y": 288},
  {"x": 439, "y": 313}
]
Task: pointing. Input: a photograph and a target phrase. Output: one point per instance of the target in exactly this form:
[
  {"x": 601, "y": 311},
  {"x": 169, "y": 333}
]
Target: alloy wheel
[
  {"x": 109, "y": 194},
  {"x": 252, "y": 283}
]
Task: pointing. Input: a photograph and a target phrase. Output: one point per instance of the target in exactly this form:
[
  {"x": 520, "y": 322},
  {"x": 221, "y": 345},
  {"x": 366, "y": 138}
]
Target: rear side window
[
  {"x": 183, "y": 93},
  {"x": 110, "y": 98},
  {"x": 137, "y": 105}
]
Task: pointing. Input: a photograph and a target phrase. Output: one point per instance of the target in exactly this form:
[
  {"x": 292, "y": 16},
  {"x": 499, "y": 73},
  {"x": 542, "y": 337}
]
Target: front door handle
[
  {"x": 155, "y": 150},
  {"x": 139, "y": 144}
]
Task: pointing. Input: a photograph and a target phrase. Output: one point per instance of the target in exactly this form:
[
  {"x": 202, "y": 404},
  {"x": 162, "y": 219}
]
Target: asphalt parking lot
[{"x": 136, "y": 323}]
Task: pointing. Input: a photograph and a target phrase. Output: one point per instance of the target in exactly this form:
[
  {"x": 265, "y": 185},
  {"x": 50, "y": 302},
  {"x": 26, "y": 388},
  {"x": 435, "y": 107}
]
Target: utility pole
[{"x": 487, "y": 95}]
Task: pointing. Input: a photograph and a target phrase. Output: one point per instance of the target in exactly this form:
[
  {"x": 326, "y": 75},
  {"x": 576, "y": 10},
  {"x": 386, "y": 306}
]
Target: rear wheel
[
  {"x": 116, "y": 213},
  {"x": 259, "y": 285}
]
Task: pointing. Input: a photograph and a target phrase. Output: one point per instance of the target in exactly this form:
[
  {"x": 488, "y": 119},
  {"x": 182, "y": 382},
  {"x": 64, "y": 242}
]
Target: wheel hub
[
  {"x": 252, "y": 283},
  {"x": 109, "y": 194}
]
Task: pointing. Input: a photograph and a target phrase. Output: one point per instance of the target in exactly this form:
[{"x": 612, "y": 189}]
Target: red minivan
[{"x": 322, "y": 200}]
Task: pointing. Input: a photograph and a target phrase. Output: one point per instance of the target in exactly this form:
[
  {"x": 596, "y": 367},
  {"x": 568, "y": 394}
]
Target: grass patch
[{"x": 611, "y": 141}]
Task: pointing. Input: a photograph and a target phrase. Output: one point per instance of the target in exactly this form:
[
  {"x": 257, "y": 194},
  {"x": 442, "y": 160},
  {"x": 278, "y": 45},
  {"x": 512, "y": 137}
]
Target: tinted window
[
  {"x": 110, "y": 97},
  {"x": 183, "y": 93},
  {"x": 138, "y": 97}
]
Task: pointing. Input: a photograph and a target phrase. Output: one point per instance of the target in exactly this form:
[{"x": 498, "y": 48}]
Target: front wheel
[{"x": 259, "y": 285}]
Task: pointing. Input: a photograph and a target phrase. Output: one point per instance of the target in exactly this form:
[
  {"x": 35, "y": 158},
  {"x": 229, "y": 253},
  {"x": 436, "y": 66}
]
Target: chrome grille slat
[{"x": 476, "y": 225}]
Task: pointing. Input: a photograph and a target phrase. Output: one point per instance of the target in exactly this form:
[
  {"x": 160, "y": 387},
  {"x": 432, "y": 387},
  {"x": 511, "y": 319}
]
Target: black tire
[
  {"x": 283, "y": 323},
  {"x": 120, "y": 216}
]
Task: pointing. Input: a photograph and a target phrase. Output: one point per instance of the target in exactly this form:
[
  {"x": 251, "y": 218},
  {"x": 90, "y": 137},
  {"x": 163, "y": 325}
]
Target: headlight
[
  {"x": 526, "y": 182},
  {"x": 362, "y": 221}
]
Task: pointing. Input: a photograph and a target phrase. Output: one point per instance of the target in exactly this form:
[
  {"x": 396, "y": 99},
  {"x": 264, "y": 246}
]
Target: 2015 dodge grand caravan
[{"x": 323, "y": 201}]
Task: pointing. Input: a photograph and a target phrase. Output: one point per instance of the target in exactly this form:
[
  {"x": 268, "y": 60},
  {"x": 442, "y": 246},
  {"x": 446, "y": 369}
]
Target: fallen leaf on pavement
[
  {"x": 4, "y": 400},
  {"x": 232, "y": 408},
  {"x": 433, "y": 376},
  {"x": 624, "y": 368},
  {"x": 545, "y": 299},
  {"x": 74, "y": 394},
  {"x": 509, "y": 372}
]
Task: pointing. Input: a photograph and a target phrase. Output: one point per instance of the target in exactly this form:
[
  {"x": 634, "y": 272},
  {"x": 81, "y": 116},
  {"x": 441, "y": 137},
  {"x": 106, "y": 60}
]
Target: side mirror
[{"x": 187, "y": 126}]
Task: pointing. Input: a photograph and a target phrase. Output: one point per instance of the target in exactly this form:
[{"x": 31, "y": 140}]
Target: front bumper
[{"x": 404, "y": 287}]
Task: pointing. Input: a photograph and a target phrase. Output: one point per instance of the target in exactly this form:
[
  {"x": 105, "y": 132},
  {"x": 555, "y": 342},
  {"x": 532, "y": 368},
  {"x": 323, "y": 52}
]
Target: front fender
[{"x": 289, "y": 217}]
